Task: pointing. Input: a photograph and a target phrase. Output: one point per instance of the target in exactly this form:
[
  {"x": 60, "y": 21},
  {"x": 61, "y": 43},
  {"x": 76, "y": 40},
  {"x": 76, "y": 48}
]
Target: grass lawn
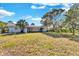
[{"x": 37, "y": 44}]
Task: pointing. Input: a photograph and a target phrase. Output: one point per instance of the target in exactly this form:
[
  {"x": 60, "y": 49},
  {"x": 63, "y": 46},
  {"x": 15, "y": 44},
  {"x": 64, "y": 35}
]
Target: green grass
[
  {"x": 37, "y": 44},
  {"x": 8, "y": 45}
]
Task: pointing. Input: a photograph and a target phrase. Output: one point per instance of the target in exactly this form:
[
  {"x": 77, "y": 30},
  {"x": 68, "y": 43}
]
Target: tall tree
[
  {"x": 2, "y": 26},
  {"x": 22, "y": 23},
  {"x": 72, "y": 17},
  {"x": 50, "y": 18}
]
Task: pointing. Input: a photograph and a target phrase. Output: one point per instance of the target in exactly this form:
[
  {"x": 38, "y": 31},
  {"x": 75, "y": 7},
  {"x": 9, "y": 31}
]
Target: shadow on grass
[
  {"x": 9, "y": 34},
  {"x": 61, "y": 35}
]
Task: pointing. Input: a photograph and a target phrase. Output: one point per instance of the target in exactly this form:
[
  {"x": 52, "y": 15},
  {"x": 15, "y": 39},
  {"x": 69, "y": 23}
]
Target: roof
[
  {"x": 33, "y": 26},
  {"x": 11, "y": 24}
]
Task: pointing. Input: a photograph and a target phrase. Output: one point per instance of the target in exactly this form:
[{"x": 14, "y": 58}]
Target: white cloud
[
  {"x": 6, "y": 13},
  {"x": 29, "y": 17},
  {"x": 36, "y": 19},
  {"x": 26, "y": 17},
  {"x": 15, "y": 22},
  {"x": 44, "y": 5},
  {"x": 35, "y": 7},
  {"x": 67, "y": 6},
  {"x": 50, "y": 4}
]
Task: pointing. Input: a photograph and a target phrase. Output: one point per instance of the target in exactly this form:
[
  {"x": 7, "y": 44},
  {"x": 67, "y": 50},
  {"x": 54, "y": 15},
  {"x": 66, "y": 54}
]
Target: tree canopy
[
  {"x": 51, "y": 17},
  {"x": 22, "y": 23},
  {"x": 2, "y": 24}
]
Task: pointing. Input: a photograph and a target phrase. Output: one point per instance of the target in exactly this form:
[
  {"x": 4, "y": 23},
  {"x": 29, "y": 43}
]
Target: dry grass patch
[{"x": 36, "y": 44}]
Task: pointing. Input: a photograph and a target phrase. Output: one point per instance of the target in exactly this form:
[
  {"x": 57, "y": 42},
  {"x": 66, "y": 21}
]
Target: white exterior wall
[
  {"x": 12, "y": 30},
  {"x": 25, "y": 30},
  {"x": 18, "y": 30}
]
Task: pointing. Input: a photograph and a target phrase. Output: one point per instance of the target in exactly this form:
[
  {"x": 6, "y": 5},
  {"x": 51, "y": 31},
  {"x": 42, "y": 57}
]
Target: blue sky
[{"x": 31, "y": 12}]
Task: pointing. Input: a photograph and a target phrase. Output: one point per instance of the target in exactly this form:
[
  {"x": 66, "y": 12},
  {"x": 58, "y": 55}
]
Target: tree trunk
[{"x": 73, "y": 31}]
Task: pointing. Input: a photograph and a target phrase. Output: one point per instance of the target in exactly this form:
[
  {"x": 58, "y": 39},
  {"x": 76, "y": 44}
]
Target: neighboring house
[
  {"x": 13, "y": 28},
  {"x": 44, "y": 29},
  {"x": 31, "y": 28}
]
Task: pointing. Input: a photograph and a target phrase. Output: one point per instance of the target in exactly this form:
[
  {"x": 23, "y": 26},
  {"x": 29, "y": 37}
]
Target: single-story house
[
  {"x": 33, "y": 28},
  {"x": 30, "y": 28}
]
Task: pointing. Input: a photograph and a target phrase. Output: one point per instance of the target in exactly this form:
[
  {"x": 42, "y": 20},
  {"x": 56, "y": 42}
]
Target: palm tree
[{"x": 22, "y": 23}]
